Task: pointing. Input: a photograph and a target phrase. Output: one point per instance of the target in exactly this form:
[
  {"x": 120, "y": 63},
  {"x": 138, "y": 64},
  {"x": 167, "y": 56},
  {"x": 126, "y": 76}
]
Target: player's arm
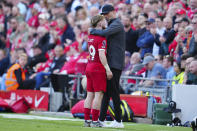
[{"x": 103, "y": 60}]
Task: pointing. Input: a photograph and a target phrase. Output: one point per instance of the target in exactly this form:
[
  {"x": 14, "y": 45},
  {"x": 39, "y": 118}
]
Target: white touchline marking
[{"x": 30, "y": 117}]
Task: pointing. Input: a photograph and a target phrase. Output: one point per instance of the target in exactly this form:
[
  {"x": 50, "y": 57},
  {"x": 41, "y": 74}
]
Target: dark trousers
[{"x": 112, "y": 91}]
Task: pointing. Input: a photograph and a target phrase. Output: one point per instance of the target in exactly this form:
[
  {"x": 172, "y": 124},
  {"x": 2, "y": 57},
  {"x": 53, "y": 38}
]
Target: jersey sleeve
[{"x": 102, "y": 44}]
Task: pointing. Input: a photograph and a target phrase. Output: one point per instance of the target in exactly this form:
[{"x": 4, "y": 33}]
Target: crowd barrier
[{"x": 163, "y": 91}]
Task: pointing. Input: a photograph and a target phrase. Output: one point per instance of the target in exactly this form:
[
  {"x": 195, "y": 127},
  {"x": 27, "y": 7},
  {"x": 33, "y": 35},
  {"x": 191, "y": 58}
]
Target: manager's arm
[{"x": 111, "y": 29}]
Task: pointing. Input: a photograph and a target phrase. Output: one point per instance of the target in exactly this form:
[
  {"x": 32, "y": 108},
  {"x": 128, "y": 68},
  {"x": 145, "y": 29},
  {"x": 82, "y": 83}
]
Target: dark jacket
[
  {"x": 68, "y": 34},
  {"x": 192, "y": 47},
  {"x": 116, "y": 38},
  {"x": 57, "y": 63},
  {"x": 4, "y": 65},
  {"x": 169, "y": 35},
  {"x": 131, "y": 39},
  {"x": 45, "y": 44},
  {"x": 145, "y": 42},
  {"x": 36, "y": 59}
]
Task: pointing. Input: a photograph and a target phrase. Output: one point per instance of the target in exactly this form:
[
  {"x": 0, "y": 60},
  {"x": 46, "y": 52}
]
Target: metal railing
[{"x": 163, "y": 91}]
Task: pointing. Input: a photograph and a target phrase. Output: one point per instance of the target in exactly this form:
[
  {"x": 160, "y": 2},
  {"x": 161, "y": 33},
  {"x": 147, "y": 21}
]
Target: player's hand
[{"x": 109, "y": 74}]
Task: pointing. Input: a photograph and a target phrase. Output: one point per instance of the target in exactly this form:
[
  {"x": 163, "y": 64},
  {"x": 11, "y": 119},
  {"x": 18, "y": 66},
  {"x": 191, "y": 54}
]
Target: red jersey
[{"x": 95, "y": 43}]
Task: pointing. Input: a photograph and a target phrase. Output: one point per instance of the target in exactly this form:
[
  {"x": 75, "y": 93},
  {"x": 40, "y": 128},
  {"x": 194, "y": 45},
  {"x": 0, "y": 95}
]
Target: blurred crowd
[{"x": 161, "y": 37}]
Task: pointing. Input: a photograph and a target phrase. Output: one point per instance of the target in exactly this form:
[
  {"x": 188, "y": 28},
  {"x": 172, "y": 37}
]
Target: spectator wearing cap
[
  {"x": 185, "y": 22},
  {"x": 193, "y": 42},
  {"x": 180, "y": 13},
  {"x": 131, "y": 35},
  {"x": 115, "y": 35},
  {"x": 146, "y": 40},
  {"x": 167, "y": 37},
  {"x": 155, "y": 71}
]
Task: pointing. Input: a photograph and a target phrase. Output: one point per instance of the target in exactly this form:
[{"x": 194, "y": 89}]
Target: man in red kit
[{"x": 97, "y": 73}]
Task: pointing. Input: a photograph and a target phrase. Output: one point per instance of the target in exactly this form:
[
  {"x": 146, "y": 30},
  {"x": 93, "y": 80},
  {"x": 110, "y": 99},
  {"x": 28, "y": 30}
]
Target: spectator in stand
[
  {"x": 35, "y": 11},
  {"x": 58, "y": 10},
  {"x": 159, "y": 59},
  {"x": 187, "y": 69},
  {"x": 192, "y": 77},
  {"x": 131, "y": 35},
  {"x": 4, "y": 62},
  {"x": 135, "y": 64},
  {"x": 160, "y": 31},
  {"x": 55, "y": 67},
  {"x": 193, "y": 8},
  {"x": 93, "y": 11},
  {"x": 16, "y": 77},
  {"x": 179, "y": 74},
  {"x": 142, "y": 21},
  {"x": 65, "y": 30},
  {"x": 155, "y": 71},
  {"x": 38, "y": 57},
  {"x": 127, "y": 62},
  {"x": 44, "y": 37},
  {"x": 179, "y": 43},
  {"x": 168, "y": 65},
  {"x": 16, "y": 13},
  {"x": 193, "y": 42},
  {"x": 21, "y": 36},
  {"x": 147, "y": 39},
  {"x": 167, "y": 37}
]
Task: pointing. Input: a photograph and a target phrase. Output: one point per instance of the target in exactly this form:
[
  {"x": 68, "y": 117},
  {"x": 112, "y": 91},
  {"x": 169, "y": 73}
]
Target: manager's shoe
[{"x": 115, "y": 124}]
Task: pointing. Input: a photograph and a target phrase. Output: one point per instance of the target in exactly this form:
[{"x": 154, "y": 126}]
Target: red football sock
[
  {"x": 87, "y": 113},
  {"x": 95, "y": 114}
]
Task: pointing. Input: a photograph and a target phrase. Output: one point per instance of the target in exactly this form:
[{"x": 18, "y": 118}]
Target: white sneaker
[
  {"x": 104, "y": 123},
  {"x": 115, "y": 124}
]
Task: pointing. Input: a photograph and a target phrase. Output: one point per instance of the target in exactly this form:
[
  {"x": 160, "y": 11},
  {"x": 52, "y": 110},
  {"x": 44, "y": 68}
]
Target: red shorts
[{"x": 96, "y": 81}]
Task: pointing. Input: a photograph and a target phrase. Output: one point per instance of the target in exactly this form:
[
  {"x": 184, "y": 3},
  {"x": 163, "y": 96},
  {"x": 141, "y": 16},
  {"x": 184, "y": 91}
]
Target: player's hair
[{"x": 96, "y": 19}]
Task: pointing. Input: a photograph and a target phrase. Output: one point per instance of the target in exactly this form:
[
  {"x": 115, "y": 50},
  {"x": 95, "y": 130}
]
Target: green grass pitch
[{"x": 10, "y": 124}]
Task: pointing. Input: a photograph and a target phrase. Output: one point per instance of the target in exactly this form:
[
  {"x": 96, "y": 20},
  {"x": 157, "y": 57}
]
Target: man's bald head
[{"x": 193, "y": 67}]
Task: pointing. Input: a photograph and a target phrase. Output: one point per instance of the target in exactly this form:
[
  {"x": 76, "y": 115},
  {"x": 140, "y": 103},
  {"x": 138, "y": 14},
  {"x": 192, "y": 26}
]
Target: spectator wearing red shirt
[{"x": 35, "y": 10}]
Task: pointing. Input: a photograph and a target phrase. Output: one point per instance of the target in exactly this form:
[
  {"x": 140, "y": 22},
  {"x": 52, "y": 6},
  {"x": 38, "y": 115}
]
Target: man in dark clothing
[
  {"x": 38, "y": 57},
  {"x": 4, "y": 62},
  {"x": 55, "y": 67},
  {"x": 131, "y": 35},
  {"x": 167, "y": 37},
  {"x": 66, "y": 31},
  {"x": 115, "y": 35},
  {"x": 193, "y": 42}
]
